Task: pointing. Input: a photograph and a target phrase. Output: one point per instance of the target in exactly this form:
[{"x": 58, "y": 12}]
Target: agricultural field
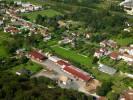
[{"x": 49, "y": 13}]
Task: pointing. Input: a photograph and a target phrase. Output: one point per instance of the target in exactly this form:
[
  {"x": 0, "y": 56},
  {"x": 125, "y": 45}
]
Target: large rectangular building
[
  {"x": 77, "y": 73},
  {"x": 37, "y": 56},
  {"x": 74, "y": 71}
]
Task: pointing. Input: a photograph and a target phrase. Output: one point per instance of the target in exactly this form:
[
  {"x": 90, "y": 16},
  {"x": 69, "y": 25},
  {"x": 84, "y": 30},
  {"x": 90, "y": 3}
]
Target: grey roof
[
  {"x": 127, "y": 3},
  {"x": 107, "y": 69}
]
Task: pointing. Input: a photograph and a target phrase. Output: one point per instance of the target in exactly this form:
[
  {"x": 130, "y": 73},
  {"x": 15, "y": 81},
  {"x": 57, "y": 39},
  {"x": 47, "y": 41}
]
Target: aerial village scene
[{"x": 38, "y": 39}]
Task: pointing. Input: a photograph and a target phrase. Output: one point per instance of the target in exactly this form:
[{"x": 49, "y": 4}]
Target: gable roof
[
  {"x": 127, "y": 95},
  {"x": 77, "y": 73},
  {"x": 63, "y": 63},
  {"x": 114, "y": 55},
  {"x": 37, "y": 55}
]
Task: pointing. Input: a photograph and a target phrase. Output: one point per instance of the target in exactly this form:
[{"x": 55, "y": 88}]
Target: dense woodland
[{"x": 14, "y": 87}]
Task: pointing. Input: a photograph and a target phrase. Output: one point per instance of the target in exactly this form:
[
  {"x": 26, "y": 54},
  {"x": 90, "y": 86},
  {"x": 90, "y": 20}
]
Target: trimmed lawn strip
[{"x": 68, "y": 54}]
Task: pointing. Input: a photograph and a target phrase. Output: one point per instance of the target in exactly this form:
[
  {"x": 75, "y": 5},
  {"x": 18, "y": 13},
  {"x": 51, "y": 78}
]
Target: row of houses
[
  {"x": 109, "y": 43},
  {"x": 104, "y": 45},
  {"x": 125, "y": 53},
  {"x": 26, "y": 7},
  {"x": 33, "y": 28},
  {"x": 101, "y": 52},
  {"x": 116, "y": 55},
  {"x": 11, "y": 29},
  {"x": 126, "y": 95}
]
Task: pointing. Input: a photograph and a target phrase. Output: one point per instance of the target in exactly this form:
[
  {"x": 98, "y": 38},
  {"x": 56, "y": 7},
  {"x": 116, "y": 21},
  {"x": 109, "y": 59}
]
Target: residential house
[
  {"x": 65, "y": 41},
  {"x": 12, "y": 30},
  {"x": 61, "y": 23},
  {"x": 128, "y": 6},
  {"x": 127, "y": 57},
  {"x": 47, "y": 37},
  {"x": 109, "y": 43},
  {"x": 114, "y": 55},
  {"x": 98, "y": 54},
  {"x": 112, "y": 44},
  {"x": 127, "y": 95},
  {"x": 26, "y": 5},
  {"x": 20, "y": 52},
  {"x": 128, "y": 50},
  {"x": 101, "y": 52},
  {"x": 103, "y": 43}
]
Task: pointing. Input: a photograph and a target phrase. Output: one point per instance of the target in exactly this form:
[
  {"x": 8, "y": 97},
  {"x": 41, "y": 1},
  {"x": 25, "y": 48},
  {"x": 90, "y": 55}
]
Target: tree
[
  {"x": 112, "y": 96},
  {"x": 104, "y": 89},
  {"x": 95, "y": 60}
]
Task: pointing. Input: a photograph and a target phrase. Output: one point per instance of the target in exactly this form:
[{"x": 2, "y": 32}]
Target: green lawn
[
  {"x": 72, "y": 55},
  {"x": 33, "y": 67},
  {"x": 124, "y": 41},
  {"x": 49, "y": 13}
]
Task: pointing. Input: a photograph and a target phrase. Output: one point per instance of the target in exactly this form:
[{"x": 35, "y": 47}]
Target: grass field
[
  {"x": 124, "y": 41},
  {"x": 49, "y": 13},
  {"x": 68, "y": 54},
  {"x": 33, "y": 67}
]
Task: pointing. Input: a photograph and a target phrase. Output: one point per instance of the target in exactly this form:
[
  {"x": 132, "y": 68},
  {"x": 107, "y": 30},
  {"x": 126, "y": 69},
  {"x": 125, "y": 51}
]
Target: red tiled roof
[
  {"x": 77, "y": 73},
  {"x": 128, "y": 95},
  {"x": 37, "y": 55},
  {"x": 12, "y": 29},
  {"x": 114, "y": 55},
  {"x": 61, "y": 62}
]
